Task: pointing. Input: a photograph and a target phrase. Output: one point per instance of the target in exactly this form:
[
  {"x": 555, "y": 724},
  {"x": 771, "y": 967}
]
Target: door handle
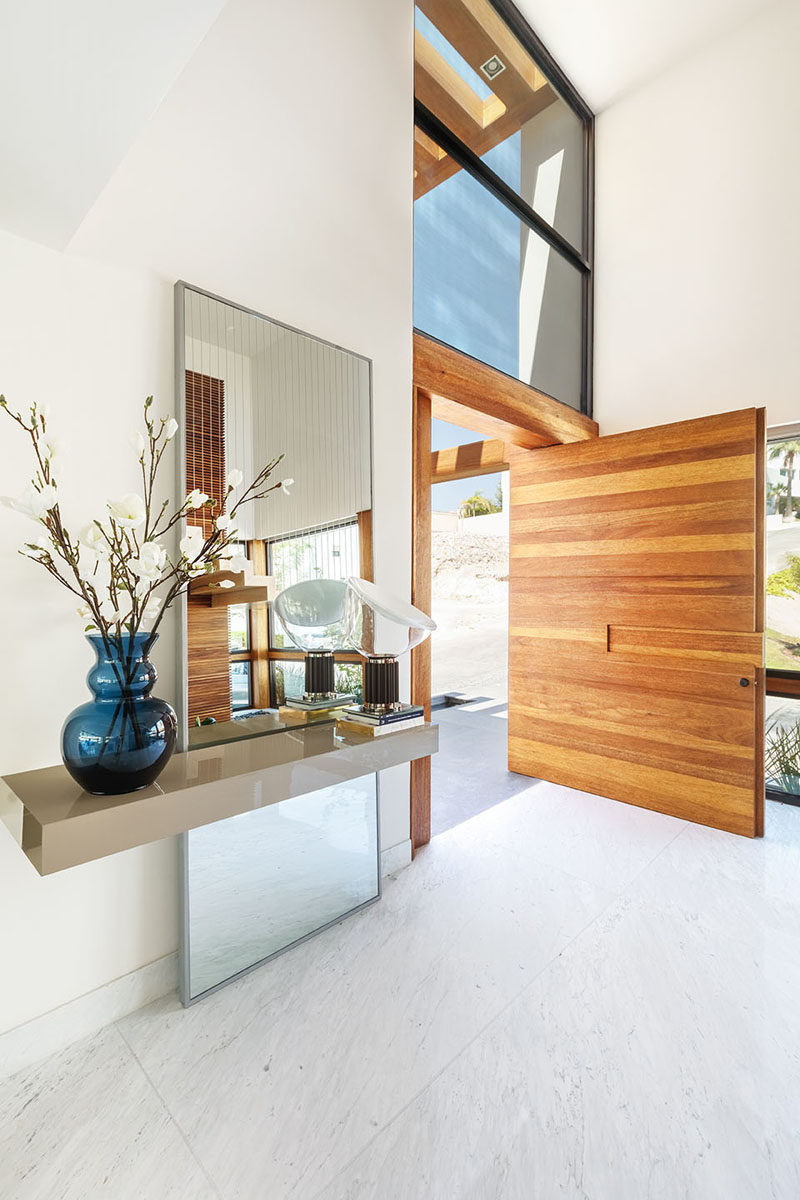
[{"x": 744, "y": 682}]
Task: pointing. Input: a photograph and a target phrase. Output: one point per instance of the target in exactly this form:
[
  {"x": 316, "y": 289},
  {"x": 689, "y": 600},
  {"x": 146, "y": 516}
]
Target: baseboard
[
  {"x": 395, "y": 858},
  {"x": 54, "y": 1031}
]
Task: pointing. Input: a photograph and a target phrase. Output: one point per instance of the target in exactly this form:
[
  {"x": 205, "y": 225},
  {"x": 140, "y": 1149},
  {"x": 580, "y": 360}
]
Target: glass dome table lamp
[
  {"x": 312, "y": 613},
  {"x": 382, "y": 627}
]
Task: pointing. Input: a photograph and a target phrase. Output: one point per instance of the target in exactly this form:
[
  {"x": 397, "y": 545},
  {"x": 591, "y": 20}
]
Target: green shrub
[{"x": 787, "y": 581}]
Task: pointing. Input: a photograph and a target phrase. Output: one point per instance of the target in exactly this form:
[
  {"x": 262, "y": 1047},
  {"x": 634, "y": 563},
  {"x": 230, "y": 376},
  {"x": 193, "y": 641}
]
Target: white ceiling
[
  {"x": 78, "y": 80},
  {"x": 608, "y": 47}
]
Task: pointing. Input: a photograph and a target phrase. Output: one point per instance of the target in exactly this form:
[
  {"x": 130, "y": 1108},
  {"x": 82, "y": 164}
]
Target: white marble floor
[
  {"x": 470, "y": 773},
  {"x": 562, "y": 997}
]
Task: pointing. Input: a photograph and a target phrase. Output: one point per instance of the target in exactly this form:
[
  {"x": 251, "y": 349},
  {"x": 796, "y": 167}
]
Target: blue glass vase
[{"x": 122, "y": 739}]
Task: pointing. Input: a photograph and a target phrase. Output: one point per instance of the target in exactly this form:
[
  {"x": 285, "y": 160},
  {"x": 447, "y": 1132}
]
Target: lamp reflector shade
[
  {"x": 378, "y": 623},
  {"x": 312, "y": 613}
]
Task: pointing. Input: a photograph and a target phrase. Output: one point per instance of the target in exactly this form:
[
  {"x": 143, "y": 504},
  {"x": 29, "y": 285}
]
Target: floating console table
[{"x": 62, "y": 826}]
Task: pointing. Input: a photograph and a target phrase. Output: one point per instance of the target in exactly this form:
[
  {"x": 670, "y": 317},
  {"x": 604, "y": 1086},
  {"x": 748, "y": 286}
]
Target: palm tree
[
  {"x": 776, "y": 492},
  {"x": 787, "y": 451},
  {"x": 478, "y": 505}
]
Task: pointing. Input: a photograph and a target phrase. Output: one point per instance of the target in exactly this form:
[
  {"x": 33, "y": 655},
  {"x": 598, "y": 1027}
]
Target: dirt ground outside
[{"x": 470, "y": 607}]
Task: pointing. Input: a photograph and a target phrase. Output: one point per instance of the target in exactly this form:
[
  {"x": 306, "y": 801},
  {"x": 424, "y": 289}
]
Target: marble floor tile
[
  {"x": 653, "y": 1060},
  {"x": 308, "y": 1058},
  {"x": 86, "y": 1124},
  {"x": 598, "y": 840},
  {"x": 563, "y": 999},
  {"x": 470, "y": 772}
]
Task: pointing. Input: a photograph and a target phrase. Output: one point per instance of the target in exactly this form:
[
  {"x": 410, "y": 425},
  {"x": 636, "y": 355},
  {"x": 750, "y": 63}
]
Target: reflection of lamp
[
  {"x": 381, "y": 627},
  {"x": 312, "y": 613}
]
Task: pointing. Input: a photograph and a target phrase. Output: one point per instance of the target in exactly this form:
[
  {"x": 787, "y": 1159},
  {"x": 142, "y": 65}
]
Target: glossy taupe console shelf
[{"x": 62, "y": 826}]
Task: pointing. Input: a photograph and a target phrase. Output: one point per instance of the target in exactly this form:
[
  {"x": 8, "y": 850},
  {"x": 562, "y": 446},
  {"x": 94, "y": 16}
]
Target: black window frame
[{"x": 583, "y": 259}]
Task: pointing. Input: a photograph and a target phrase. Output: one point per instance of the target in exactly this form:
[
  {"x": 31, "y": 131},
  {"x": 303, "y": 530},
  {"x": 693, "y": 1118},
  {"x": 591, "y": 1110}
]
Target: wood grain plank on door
[{"x": 636, "y": 623}]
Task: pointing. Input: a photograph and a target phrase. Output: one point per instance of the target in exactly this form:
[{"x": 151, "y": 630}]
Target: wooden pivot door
[{"x": 637, "y": 618}]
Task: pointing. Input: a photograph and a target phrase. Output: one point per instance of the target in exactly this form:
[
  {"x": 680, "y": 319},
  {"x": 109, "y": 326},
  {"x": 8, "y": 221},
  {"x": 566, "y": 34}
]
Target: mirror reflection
[{"x": 254, "y": 390}]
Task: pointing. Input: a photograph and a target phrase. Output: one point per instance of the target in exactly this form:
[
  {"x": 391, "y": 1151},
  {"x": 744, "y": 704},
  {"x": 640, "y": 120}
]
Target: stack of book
[{"x": 356, "y": 720}]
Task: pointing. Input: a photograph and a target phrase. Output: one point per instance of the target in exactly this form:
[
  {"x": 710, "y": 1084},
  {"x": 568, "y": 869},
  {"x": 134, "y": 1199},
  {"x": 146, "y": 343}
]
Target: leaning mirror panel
[{"x": 255, "y": 391}]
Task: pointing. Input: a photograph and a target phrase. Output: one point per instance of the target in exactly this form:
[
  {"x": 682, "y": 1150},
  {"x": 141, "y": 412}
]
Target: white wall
[
  {"x": 289, "y": 193},
  {"x": 698, "y": 253},
  {"x": 91, "y": 342}
]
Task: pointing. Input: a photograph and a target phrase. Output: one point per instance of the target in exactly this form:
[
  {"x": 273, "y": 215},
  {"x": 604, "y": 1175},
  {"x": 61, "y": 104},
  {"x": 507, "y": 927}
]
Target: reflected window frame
[{"x": 582, "y": 259}]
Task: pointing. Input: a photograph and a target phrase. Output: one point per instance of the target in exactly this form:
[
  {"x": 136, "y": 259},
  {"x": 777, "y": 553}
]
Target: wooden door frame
[
  {"x": 514, "y": 418},
  {"x": 420, "y": 790}
]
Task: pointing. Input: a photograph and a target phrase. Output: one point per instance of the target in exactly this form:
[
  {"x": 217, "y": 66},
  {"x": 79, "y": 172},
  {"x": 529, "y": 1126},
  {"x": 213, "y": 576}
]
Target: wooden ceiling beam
[
  {"x": 454, "y": 413},
  {"x": 477, "y": 32},
  {"x": 498, "y": 406},
  {"x": 443, "y": 91},
  {"x": 462, "y": 462}
]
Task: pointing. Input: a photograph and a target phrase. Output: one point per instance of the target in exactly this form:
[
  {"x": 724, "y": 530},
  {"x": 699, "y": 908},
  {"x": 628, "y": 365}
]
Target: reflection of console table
[{"x": 60, "y": 826}]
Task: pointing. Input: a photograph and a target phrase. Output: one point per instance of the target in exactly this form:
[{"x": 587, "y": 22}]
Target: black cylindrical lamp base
[
  {"x": 381, "y": 683},
  {"x": 320, "y": 675}
]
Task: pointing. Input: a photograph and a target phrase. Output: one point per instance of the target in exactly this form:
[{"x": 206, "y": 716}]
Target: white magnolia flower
[
  {"x": 235, "y": 477},
  {"x": 129, "y": 511},
  {"x": 33, "y": 503},
  {"x": 110, "y": 613},
  {"x": 138, "y": 442},
  {"x": 287, "y": 485},
  {"x": 91, "y": 538},
  {"x": 192, "y": 543},
  {"x": 170, "y": 429},
  {"x": 238, "y": 563},
  {"x": 226, "y": 583},
  {"x": 150, "y": 562},
  {"x": 196, "y": 498},
  {"x": 225, "y": 522},
  {"x": 142, "y": 587},
  {"x": 83, "y": 611}
]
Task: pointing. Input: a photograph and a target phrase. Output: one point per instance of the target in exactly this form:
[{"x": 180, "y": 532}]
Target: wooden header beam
[
  {"x": 462, "y": 462},
  {"x": 499, "y": 407}
]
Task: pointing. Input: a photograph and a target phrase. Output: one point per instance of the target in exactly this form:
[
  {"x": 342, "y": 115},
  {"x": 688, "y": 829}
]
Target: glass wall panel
[
  {"x": 238, "y": 627},
  {"x": 488, "y": 285},
  {"x": 288, "y": 679},
  {"x": 240, "y": 685},
  {"x": 477, "y": 78},
  {"x": 782, "y": 746},
  {"x": 783, "y": 555},
  {"x": 331, "y": 552}
]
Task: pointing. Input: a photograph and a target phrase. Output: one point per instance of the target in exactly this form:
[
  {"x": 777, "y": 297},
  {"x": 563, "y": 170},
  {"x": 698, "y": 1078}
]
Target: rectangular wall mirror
[{"x": 250, "y": 389}]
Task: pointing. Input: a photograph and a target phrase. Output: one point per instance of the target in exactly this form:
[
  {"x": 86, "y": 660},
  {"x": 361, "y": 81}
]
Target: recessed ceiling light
[{"x": 492, "y": 67}]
